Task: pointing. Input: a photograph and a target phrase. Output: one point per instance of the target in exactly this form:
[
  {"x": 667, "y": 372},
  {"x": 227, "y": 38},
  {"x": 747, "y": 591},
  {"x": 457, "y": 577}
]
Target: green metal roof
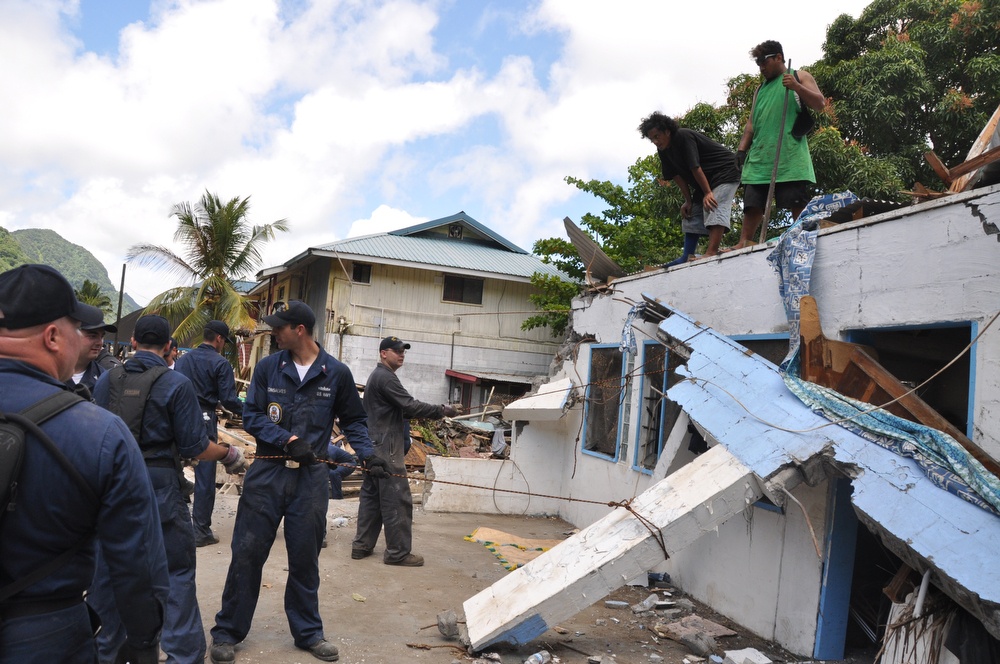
[{"x": 479, "y": 249}]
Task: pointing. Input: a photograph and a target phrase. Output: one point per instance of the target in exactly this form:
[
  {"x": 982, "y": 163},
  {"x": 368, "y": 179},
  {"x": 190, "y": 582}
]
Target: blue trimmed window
[
  {"x": 657, "y": 413},
  {"x": 602, "y": 412}
]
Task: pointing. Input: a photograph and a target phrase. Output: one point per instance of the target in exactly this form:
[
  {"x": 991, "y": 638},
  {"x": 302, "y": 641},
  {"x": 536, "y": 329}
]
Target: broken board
[{"x": 603, "y": 557}]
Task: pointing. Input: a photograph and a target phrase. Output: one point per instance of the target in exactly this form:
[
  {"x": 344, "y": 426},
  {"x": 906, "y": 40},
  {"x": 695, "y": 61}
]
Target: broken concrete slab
[
  {"x": 746, "y": 656},
  {"x": 605, "y": 555}
]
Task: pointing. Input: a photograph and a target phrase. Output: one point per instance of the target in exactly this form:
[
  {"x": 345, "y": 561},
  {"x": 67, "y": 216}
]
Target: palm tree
[
  {"x": 90, "y": 293},
  {"x": 219, "y": 248}
]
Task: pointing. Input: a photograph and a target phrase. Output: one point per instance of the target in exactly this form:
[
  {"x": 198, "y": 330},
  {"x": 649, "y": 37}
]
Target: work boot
[
  {"x": 222, "y": 653},
  {"x": 358, "y": 554},
  {"x": 324, "y": 650},
  {"x": 410, "y": 560},
  {"x": 206, "y": 541}
]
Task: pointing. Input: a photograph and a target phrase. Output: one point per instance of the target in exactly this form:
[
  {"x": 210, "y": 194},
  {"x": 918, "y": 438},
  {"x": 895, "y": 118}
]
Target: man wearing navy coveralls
[
  {"x": 294, "y": 397},
  {"x": 169, "y": 428},
  {"x": 214, "y": 383},
  {"x": 47, "y": 621}
]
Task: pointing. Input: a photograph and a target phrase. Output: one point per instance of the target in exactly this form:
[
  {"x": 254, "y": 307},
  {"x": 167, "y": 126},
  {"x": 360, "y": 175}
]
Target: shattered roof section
[{"x": 927, "y": 527}]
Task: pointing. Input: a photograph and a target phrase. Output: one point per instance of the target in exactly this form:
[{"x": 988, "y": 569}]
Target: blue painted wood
[
  {"x": 838, "y": 571},
  {"x": 741, "y": 401}
]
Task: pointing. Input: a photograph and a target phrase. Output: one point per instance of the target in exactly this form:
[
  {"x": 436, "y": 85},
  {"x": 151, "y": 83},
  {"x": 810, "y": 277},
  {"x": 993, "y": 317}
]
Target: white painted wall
[{"x": 937, "y": 262}]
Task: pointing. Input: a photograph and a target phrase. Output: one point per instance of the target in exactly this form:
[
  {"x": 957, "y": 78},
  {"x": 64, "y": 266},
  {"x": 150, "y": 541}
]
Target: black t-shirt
[{"x": 688, "y": 150}]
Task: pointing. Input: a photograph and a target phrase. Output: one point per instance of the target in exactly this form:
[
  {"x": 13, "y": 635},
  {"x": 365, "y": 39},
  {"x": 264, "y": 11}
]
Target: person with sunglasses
[{"x": 757, "y": 151}]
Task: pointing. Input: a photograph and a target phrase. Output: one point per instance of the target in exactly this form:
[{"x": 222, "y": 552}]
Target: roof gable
[{"x": 459, "y": 228}]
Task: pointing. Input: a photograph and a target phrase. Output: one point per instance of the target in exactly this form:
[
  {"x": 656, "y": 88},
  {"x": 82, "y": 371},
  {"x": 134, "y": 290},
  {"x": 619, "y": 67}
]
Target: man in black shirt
[{"x": 705, "y": 172}]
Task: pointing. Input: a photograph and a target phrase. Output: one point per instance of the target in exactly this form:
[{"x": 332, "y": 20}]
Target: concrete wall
[{"x": 930, "y": 264}]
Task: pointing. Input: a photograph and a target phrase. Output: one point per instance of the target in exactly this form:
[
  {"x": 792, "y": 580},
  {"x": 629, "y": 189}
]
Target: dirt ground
[{"x": 376, "y": 613}]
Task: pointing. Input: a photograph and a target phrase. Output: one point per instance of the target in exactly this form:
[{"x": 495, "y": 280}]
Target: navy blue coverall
[
  {"x": 48, "y": 621},
  {"x": 278, "y": 406},
  {"x": 212, "y": 377},
  {"x": 338, "y": 473},
  {"x": 171, "y": 418}
]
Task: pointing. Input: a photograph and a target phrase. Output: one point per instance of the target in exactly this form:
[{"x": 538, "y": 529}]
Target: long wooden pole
[{"x": 774, "y": 171}]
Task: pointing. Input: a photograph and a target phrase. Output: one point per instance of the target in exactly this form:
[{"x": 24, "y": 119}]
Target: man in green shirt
[{"x": 760, "y": 140}]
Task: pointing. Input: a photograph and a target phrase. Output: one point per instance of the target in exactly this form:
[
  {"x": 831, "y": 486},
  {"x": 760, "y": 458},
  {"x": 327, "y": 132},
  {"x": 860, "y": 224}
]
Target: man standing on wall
[
  {"x": 759, "y": 145},
  {"x": 214, "y": 383},
  {"x": 387, "y": 501},
  {"x": 294, "y": 397}
]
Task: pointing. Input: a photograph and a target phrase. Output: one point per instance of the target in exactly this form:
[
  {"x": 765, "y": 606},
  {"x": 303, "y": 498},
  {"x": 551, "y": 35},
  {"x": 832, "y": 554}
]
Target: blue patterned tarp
[{"x": 946, "y": 463}]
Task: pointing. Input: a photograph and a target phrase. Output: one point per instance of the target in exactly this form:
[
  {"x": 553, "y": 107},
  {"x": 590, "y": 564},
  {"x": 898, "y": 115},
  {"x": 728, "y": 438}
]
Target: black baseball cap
[
  {"x": 296, "y": 313},
  {"x": 219, "y": 328},
  {"x": 393, "y": 343},
  {"x": 107, "y": 327},
  {"x": 35, "y": 294},
  {"x": 152, "y": 330}
]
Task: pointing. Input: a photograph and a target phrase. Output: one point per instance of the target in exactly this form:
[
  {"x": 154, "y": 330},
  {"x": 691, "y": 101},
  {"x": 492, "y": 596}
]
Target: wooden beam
[
  {"x": 561, "y": 582},
  {"x": 935, "y": 163}
]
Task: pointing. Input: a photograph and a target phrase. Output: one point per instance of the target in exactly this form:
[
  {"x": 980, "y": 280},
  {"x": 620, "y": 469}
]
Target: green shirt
[{"x": 795, "y": 164}]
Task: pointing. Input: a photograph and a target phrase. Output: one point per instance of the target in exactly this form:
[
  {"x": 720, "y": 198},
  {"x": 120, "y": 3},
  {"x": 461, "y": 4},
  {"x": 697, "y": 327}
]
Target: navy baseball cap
[
  {"x": 296, "y": 313},
  {"x": 219, "y": 328},
  {"x": 152, "y": 330},
  {"x": 393, "y": 343},
  {"x": 35, "y": 294}
]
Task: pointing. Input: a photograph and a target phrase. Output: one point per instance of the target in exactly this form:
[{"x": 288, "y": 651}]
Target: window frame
[
  {"x": 588, "y": 395},
  {"x": 465, "y": 280}
]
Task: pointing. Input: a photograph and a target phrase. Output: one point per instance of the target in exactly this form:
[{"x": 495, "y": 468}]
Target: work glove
[
  {"x": 741, "y": 157},
  {"x": 133, "y": 655},
  {"x": 234, "y": 461},
  {"x": 377, "y": 466},
  {"x": 300, "y": 451},
  {"x": 450, "y": 411}
]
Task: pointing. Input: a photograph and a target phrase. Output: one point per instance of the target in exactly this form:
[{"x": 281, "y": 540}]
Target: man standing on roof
[
  {"x": 294, "y": 397},
  {"x": 214, "y": 383},
  {"x": 705, "y": 172},
  {"x": 87, "y": 369},
  {"x": 160, "y": 408},
  {"x": 387, "y": 501},
  {"x": 103, "y": 492},
  {"x": 759, "y": 144}
]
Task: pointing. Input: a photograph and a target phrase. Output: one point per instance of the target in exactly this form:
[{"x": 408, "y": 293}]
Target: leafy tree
[
  {"x": 11, "y": 254},
  {"x": 909, "y": 75},
  {"x": 219, "y": 248},
  {"x": 90, "y": 293}
]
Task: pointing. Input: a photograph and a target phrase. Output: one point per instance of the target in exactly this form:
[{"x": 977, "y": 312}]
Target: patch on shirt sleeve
[{"x": 274, "y": 412}]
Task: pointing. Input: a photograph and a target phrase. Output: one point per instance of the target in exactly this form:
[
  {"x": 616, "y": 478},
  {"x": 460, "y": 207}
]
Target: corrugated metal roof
[{"x": 444, "y": 253}]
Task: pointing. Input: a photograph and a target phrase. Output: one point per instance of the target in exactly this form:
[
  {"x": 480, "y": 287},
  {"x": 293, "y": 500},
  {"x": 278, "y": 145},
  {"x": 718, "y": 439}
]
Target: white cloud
[{"x": 322, "y": 110}]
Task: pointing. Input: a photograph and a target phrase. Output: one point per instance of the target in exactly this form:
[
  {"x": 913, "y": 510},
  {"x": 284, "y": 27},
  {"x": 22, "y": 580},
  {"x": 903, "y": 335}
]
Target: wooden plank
[
  {"x": 987, "y": 137},
  {"x": 604, "y": 556},
  {"x": 938, "y": 166},
  {"x": 851, "y": 370}
]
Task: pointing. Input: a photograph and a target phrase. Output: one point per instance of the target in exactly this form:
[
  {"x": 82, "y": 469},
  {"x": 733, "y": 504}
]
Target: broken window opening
[
  {"x": 772, "y": 347},
  {"x": 604, "y": 401},
  {"x": 657, "y": 412},
  {"x": 914, "y": 354}
]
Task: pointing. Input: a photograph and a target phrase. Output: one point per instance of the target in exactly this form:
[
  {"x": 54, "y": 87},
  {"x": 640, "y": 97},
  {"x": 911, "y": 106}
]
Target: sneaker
[
  {"x": 206, "y": 541},
  {"x": 411, "y": 560},
  {"x": 324, "y": 650},
  {"x": 358, "y": 554},
  {"x": 222, "y": 653}
]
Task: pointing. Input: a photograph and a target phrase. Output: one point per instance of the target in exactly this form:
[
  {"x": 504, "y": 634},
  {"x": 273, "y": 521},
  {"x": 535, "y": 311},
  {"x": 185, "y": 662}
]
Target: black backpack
[{"x": 12, "y": 441}]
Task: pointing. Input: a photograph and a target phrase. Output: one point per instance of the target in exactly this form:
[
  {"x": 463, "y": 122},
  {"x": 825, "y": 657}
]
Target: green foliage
[
  {"x": 219, "y": 247},
  {"x": 90, "y": 293},
  {"x": 913, "y": 75},
  {"x": 552, "y": 301},
  {"x": 11, "y": 254},
  {"x": 77, "y": 264},
  {"x": 429, "y": 436}
]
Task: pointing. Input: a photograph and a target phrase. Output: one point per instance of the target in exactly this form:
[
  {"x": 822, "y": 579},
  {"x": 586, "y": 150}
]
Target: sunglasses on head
[{"x": 764, "y": 58}]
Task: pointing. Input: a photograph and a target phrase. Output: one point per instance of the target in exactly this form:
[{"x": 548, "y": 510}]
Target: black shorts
[{"x": 788, "y": 195}]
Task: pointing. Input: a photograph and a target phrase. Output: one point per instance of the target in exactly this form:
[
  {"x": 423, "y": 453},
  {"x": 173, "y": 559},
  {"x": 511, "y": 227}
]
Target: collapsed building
[{"x": 805, "y": 435}]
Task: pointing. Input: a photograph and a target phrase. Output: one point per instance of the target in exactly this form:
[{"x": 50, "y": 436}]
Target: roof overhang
[
  {"x": 550, "y": 403},
  {"x": 928, "y": 528}
]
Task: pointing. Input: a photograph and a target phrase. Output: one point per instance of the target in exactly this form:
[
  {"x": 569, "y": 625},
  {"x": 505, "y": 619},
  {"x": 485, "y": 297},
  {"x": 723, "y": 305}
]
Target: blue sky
[{"x": 348, "y": 117}]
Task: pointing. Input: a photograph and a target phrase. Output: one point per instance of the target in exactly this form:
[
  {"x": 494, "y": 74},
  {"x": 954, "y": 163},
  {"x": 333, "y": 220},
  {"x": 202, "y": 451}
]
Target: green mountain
[
  {"x": 11, "y": 254},
  {"x": 41, "y": 245}
]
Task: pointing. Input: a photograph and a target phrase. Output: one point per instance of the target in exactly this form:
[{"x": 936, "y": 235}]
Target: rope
[{"x": 624, "y": 504}]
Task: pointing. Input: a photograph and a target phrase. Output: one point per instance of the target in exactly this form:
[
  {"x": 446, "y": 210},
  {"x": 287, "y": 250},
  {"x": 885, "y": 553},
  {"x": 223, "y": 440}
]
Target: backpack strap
[{"x": 29, "y": 419}]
